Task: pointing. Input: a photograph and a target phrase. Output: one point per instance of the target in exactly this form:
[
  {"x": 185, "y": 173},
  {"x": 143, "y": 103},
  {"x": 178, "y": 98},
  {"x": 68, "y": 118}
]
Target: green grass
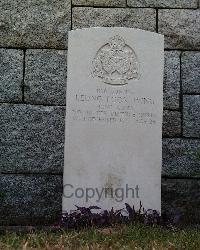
[{"x": 119, "y": 237}]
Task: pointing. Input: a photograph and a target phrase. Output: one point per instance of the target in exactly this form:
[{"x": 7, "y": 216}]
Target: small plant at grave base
[
  {"x": 198, "y": 154},
  {"x": 84, "y": 217},
  {"x": 2, "y": 195}
]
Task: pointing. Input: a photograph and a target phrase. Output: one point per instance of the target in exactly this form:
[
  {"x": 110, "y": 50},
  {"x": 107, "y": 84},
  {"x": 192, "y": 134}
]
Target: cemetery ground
[{"x": 132, "y": 236}]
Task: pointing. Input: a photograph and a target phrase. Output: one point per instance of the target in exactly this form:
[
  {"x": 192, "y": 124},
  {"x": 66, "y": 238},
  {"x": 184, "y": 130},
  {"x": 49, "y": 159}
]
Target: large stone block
[
  {"x": 171, "y": 86},
  {"x": 191, "y": 116},
  {"x": 163, "y": 3},
  {"x": 180, "y": 27},
  {"x": 32, "y": 139},
  {"x": 11, "y": 75},
  {"x": 191, "y": 72},
  {"x": 182, "y": 195},
  {"x": 181, "y": 158},
  {"x": 46, "y": 76},
  {"x": 109, "y": 3},
  {"x": 171, "y": 123},
  {"x": 38, "y": 24},
  {"x": 30, "y": 199},
  {"x": 106, "y": 17}
]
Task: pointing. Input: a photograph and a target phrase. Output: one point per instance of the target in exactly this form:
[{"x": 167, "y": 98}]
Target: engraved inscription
[
  {"x": 114, "y": 106},
  {"x": 115, "y": 62}
]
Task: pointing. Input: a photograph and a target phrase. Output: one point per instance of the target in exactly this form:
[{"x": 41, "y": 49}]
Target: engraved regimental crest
[{"x": 115, "y": 62}]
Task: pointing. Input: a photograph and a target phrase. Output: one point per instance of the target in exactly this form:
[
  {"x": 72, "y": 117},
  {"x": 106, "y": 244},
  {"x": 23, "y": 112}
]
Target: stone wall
[{"x": 33, "y": 51}]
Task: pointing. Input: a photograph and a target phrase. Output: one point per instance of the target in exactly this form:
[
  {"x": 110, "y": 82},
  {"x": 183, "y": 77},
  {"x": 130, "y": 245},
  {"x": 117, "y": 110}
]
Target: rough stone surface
[
  {"x": 172, "y": 123},
  {"x": 191, "y": 116},
  {"x": 111, "y": 3},
  {"x": 183, "y": 196},
  {"x": 191, "y": 72},
  {"x": 171, "y": 86},
  {"x": 11, "y": 75},
  {"x": 46, "y": 76},
  {"x": 30, "y": 199},
  {"x": 35, "y": 23},
  {"x": 32, "y": 138},
  {"x": 180, "y": 27},
  {"x": 181, "y": 158},
  {"x": 163, "y": 3},
  {"x": 105, "y": 17}
]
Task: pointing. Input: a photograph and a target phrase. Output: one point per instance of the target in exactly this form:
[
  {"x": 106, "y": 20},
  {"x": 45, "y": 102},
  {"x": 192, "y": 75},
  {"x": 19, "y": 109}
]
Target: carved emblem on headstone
[{"x": 115, "y": 62}]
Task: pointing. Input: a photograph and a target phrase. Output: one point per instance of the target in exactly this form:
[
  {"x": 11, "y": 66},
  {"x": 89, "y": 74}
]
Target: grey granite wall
[{"x": 33, "y": 51}]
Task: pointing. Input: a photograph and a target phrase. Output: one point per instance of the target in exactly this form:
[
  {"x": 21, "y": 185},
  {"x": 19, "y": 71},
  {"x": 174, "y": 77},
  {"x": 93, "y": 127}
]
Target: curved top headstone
[{"x": 113, "y": 143}]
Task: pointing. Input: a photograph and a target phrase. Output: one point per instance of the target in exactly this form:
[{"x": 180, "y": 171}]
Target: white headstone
[{"x": 113, "y": 144}]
